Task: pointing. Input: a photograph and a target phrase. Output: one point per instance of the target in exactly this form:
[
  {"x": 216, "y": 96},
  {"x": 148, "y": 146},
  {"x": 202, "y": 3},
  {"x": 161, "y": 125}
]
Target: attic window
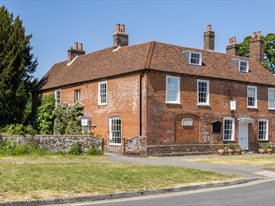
[
  {"x": 243, "y": 66},
  {"x": 195, "y": 58}
]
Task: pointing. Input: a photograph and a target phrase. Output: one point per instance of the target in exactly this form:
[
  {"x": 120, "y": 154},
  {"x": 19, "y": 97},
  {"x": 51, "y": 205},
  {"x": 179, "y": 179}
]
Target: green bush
[
  {"x": 19, "y": 129},
  {"x": 44, "y": 117},
  {"x": 75, "y": 149},
  {"x": 67, "y": 118},
  {"x": 93, "y": 150}
]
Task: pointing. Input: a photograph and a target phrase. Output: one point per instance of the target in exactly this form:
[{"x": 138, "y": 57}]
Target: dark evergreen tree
[{"x": 17, "y": 66}]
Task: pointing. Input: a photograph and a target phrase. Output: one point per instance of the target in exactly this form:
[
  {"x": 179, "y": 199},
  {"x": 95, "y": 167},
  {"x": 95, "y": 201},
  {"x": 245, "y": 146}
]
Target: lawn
[
  {"x": 265, "y": 161},
  {"x": 31, "y": 177}
]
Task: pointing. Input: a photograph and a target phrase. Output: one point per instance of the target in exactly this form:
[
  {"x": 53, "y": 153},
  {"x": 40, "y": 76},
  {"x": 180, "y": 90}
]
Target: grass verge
[
  {"x": 266, "y": 161},
  {"x": 25, "y": 178}
]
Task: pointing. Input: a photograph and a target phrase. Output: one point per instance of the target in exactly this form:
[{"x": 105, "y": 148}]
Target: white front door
[{"x": 243, "y": 136}]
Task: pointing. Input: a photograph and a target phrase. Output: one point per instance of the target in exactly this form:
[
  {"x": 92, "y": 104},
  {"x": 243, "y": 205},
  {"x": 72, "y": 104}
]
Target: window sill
[
  {"x": 263, "y": 140},
  {"x": 102, "y": 104},
  {"x": 115, "y": 144},
  {"x": 175, "y": 103},
  {"x": 271, "y": 109},
  {"x": 229, "y": 140},
  {"x": 204, "y": 105},
  {"x": 252, "y": 107}
]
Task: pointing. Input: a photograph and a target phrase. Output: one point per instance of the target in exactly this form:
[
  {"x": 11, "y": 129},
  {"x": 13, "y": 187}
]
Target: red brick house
[{"x": 179, "y": 99}]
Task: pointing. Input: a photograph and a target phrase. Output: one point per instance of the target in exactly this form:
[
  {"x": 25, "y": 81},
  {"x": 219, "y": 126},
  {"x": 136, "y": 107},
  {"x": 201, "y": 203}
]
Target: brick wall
[
  {"x": 122, "y": 100},
  {"x": 164, "y": 126}
]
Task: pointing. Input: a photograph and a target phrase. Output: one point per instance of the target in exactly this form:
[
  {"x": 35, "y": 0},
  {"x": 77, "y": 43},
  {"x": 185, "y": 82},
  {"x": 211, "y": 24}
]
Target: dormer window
[
  {"x": 195, "y": 58},
  {"x": 243, "y": 66}
]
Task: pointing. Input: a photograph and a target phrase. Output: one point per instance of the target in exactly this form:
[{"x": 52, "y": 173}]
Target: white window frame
[
  {"x": 110, "y": 130},
  {"x": 77, "y": 93},
  {"x": 99, "y": 94},
  {"x": 55, "y": 97},
  {"x": 266, "y": 135},
  {"x": 207, "y": 103},
  {"x": 200, "y": 61},
  {"x": 233, "y": 128},
  {"x": 255, "y": 97},
  {"x": 271, "y": 90},
  {"x": 178, "y": 89},
  {"x": 247, "y": 66}
]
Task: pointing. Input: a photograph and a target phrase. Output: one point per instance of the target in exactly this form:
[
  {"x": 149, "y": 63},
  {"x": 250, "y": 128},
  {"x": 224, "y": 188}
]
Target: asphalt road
[{"x": 251, "y": 194}]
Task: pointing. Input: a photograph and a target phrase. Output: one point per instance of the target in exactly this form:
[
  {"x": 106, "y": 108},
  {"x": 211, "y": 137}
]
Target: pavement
[{"x": 180, "y": 161}]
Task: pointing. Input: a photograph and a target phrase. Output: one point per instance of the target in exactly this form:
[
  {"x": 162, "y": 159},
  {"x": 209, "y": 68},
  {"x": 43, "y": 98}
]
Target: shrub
[
  {"x": 75, "y": 149},
  {"x": 19, "y": 129},
  {"x": 44, "y": 117},
  {"x": 67, "y": 118},
  {"x": 93, "y": 150}
]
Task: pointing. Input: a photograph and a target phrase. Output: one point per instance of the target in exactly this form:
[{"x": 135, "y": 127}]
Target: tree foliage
[
  {"x": 269, "y": 50},
  {"x": 17, "y": 66},
  {"x": 67, "y": 118},
  {"x": 44, "y": 117}
]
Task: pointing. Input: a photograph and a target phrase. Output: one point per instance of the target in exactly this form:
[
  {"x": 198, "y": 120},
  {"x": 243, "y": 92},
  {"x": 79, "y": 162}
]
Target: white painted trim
[
  {"x": 269, "y": 90},
  {"x": 200, "y": 61},
  {"x": 266, "y": 137},
  {"x": 233, "y": 128},
  {"x": 110, "y": 130},
  {"x": 207, "y": 103},
  {"x": 247, "y": 67},
  {"x": 178, "y": 87},
  {"x": 55, "y": 94},
  {"x": 98, "y": 94},
  {"x": 68, "y": 64},
  {"x": 256, "y": 97}
]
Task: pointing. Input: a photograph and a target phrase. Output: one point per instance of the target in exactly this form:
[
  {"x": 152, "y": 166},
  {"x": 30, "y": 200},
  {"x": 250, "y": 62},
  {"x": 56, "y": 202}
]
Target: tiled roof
[{"x": 151, "y": 55}]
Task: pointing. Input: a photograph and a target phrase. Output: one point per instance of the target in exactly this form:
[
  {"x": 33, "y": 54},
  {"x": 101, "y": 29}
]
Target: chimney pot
[
  {"x": 76, "y": 45},
  {"x": 117, "y": 27},
  {"x": 254, "y": 35},
  {"x": 209, "y": 27},
  {"x": 122, "y": 28},
  {"x": 258, "y": 34},
  {"x": 81, "y": 47}
]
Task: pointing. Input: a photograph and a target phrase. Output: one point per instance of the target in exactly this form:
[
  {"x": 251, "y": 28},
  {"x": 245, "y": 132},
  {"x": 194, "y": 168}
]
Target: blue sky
[{"x": 56, "y": 25}]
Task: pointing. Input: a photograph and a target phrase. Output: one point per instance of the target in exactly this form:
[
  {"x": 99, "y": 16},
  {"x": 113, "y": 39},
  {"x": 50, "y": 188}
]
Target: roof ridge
[{"x": 149, "y": 55}]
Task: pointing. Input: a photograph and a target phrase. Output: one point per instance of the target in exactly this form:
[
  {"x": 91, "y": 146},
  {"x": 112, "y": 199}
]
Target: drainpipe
[{"x": 140, "y": 102}]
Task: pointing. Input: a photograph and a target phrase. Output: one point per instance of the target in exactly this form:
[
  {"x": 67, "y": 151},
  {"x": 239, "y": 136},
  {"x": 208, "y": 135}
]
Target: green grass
[
  {"x": 66, "y": 175},
  {"x": 266, "y": 161}
]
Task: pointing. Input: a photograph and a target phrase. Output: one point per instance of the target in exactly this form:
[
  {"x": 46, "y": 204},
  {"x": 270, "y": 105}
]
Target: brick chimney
[
  {"x": 209, "y": 39},
  {"x": 233, "y": 47},
  {"x": 257, "y": 47},
  {"x": 120, "y": 38},
  {"x": 73, "y": 52}
]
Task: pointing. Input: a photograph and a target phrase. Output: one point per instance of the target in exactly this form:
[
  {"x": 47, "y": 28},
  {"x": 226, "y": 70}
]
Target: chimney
[
  {"x": 233, "y": 47},
  {"x": 257, "y": 47},
  {"x": 120, "y": 38},
  {"x": 209, "y": 39},
  {"x": 73, "y": 52}
]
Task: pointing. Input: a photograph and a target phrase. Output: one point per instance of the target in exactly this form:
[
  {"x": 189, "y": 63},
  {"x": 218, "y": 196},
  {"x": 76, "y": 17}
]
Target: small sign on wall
[
  {"x": 84, "y": 121},
  {"x": 233, "y": 105},
  {"x": 187, "y": 122}
]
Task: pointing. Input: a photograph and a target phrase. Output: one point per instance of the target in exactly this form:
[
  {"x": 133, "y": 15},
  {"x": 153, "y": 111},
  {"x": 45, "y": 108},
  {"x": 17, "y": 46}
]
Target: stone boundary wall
[
  {"x": 56, "y": 142},
  {"x": 185, "y": 149},
  {"x": 135, "y": 146}
]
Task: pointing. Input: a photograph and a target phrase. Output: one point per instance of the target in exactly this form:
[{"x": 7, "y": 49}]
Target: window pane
[{"x": 172, "y": 89}]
